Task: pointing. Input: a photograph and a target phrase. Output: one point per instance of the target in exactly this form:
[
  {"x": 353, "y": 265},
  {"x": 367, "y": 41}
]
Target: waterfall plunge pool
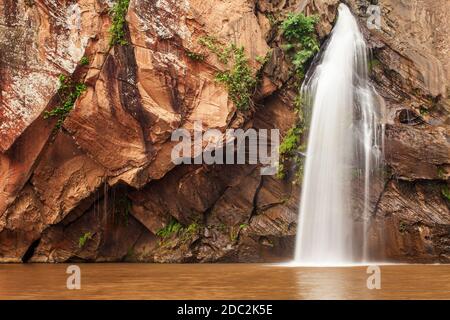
[{"x": 222, "y": 281}]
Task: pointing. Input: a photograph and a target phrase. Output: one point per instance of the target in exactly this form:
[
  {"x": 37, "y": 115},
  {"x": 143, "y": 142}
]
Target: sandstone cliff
[{"x": 102, "y": 186}]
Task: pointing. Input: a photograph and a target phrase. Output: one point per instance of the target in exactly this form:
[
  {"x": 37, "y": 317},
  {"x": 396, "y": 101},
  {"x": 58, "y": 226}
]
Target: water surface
[{"x": 222, "y": 281}]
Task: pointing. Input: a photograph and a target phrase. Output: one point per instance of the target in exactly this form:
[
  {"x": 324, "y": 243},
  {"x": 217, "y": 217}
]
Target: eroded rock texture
[
  {"x": 410, "y": 70},
  {"x": 103, "y": 187}
]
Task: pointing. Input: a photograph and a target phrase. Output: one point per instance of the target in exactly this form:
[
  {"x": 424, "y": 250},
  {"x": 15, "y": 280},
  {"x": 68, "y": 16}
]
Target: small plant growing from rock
[
  {"x": 84, "y": 239},
  {"x": 243, "y": 226},
  {"x": 84, "y": 61},
  {"x": 171, "y": 228},
  {"x": 423, "y": 111},
  {"x": 441, "y": 173},
  {"x": 222, "y": 52},
  {"x": 189, "y": 232},
  {"x": 234, "y": 231},
  {"x": 292, "y": 148},
  {"x": 68, "y": 93},
  {"x": 195, "y": 56},
  {"x": 117, "y": 30},
  {"x": 373, "y": 63},
  {"x": 303, "y": 44},
  {"x": 261, "y": 59},
  {"x": 403, "y": 227},
  {"x": 446, "y": 192},
  {"x": 299, "y": 31},
  {"x": 239, "y": 78}
]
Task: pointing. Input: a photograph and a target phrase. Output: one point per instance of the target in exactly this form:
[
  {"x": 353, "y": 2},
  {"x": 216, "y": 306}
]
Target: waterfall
[{"x": 344, "y": 151}]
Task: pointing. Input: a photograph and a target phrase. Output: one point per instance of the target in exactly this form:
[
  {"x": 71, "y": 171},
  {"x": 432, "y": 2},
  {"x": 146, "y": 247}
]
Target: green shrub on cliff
[
  {"x": 222, "y": 52},
  {"x": 189, "y": 232},
  {"x": 291, "y": 141},
  {"x": 182, "y": 233},
  {"x": 171, "y": 228},
  {"x": 239, "y": 78},
  {"x": 68, "y": 93},
  {"x": 195, "y": 56},
  {"x": 297, "y": 26},
  {"x": 299, "y": 31},
  {"x": 403, "y": 227},
  {"x": 117, "y": 30},
  {"x": 84, "y": 61},
  {"x": 302, "y": 44},
  {"x": 292, "y": 147},
  {"x": 84, "y": 239}
]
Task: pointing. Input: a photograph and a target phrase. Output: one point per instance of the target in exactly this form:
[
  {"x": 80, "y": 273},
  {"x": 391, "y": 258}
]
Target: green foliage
[
  {"x": 403, "y": 227},
  {"x": 291, "y": 147},
  {"x": 192, "y": 228},
  {"x": 171, "y": 228},
  {"x": 243, "y": 226},
  {"x": 264, "y": 59},
  {"x": 297, "y": 26},
  {"x": 234, "y": 234},
  {"x": 300, "y": 165},
  {"x": 373, "y": 63},
  {"x": 446, "y": 192},
  {"x": 117, "y": 30},
  {"x": 234, "y": 231},
  {"x": 261, "y": 59},
  {"x": 299, "y": 31},
  {"x": 291, "y": 141},
  {"x": 189, "y": 232},
  {"x": 84, "y": 61},
  {"x": 84, "y": 239},
  {"x": 195, "y": 56},
  {"x": 238, "y": 79},
  {"x": 68, "y": 93},
  {"x": 240, "y": 82},
  {"x": 424, "y": 111},
  {"x": 281, "y": 171},
  {"x": 441, "y": 173},
  {"x": 175, "y": 228},
  {"x": 223, "y": 53}
]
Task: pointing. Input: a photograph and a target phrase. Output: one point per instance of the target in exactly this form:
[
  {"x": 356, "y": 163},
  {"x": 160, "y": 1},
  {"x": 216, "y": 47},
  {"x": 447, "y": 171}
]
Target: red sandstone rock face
[
  {"x": 412, "y": 223},
  {"x": 39, "y": 40},
  {"x": 108, "y": 173},
  {"x": 418, "y": 153},
  {"x": 410, "y": 69}
]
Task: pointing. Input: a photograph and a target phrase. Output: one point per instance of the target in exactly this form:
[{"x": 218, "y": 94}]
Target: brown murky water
[{"x": 222, "y": 281}]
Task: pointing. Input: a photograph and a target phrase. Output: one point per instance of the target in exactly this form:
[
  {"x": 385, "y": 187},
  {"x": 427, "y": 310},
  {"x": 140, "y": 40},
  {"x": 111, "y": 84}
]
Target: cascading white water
[{"x": 343, "y": 151}]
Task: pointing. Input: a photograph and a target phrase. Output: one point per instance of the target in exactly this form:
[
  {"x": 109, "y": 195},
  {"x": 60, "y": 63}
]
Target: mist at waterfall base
[{"x": 344, "y": 155}]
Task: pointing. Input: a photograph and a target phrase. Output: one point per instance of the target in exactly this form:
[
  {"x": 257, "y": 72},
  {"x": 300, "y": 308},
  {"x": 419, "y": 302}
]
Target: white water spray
[{"x": 344, "y": 152}]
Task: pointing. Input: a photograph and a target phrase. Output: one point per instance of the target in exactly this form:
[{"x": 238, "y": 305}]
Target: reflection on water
[{"x": 222, "y": 281}]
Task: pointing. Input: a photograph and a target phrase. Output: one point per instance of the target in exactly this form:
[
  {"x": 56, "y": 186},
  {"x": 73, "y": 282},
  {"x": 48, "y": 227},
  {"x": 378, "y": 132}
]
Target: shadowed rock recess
[{"x": 96, "y": 181}]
